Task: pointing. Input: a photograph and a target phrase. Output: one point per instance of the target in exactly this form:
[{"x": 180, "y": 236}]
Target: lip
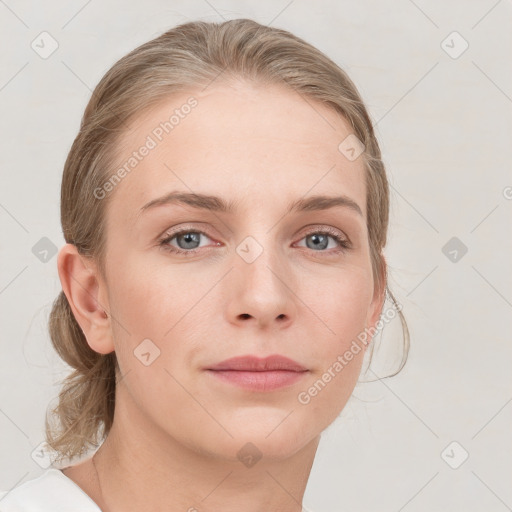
[
  {"x": 259, "y": 364},
  {"x": 259, "y": 374}
]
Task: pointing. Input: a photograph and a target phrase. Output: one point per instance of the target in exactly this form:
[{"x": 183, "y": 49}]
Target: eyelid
[
  {"x": 185, "y": 228},
  {"x": 321, "y": 228}
]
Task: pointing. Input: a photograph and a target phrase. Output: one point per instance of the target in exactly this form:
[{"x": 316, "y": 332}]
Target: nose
[{"x": 261, "y": 292}]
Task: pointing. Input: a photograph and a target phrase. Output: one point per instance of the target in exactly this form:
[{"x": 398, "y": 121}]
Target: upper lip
[{"x": 258, "y": 364}]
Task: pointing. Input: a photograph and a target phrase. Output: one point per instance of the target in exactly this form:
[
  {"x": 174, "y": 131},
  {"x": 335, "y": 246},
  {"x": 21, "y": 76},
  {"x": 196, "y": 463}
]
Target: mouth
[{"x": 259, "y": 374}]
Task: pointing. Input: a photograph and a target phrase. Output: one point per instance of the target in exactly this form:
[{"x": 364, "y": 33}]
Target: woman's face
[{"x": 247, "y": 276}]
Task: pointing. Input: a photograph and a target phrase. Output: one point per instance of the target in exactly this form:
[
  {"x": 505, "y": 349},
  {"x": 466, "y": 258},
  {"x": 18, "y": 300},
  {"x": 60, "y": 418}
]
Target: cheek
[
  {"x": 341, "y": 303},
  {"x": 158, "y": 303},
  {"x": 140, "y": 308},
  {"x": 342, "y": 306},
  {"x": 146, "y": 296},
  {"x": 152, "y": 313}
]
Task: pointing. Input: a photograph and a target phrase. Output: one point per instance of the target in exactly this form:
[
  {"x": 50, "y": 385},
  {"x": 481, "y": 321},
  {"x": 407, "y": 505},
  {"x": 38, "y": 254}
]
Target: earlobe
[{"x": 83, "y": 288}]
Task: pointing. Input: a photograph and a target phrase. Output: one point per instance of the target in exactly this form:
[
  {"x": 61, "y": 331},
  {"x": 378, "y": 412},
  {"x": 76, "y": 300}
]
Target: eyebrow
[{"x": 217, "y": 204}]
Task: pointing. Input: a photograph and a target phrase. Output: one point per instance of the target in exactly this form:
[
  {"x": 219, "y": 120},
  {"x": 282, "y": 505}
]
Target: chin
[{"x": 278, "y": 435}]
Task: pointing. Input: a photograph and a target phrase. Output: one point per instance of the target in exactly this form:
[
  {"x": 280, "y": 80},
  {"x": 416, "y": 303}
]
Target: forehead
[{"x": 240, "y": 141}]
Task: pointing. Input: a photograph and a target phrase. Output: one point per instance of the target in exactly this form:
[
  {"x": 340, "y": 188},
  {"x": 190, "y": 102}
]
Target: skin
[{"x": 177, "y": 429}]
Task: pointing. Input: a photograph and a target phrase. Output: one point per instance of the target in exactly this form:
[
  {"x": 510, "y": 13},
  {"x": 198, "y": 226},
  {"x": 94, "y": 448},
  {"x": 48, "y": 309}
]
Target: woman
[{"x": 225, "y": 210}]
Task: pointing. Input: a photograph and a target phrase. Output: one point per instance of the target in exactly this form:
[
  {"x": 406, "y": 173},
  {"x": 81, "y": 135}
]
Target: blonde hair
[{"x": 188, "y": 56}]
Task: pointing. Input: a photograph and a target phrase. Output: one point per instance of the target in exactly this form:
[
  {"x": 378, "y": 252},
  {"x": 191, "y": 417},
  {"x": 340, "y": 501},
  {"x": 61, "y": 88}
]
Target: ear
[
  {"x": 87, "y": 296},
  {"x": 379, "y": 297}
]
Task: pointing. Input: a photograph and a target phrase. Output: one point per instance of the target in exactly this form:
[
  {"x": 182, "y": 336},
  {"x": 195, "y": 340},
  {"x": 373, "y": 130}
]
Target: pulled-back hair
[{"x": 187, "y": 57}]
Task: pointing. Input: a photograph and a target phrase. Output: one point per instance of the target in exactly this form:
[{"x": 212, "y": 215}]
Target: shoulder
[{"x": 52, "y": 491}]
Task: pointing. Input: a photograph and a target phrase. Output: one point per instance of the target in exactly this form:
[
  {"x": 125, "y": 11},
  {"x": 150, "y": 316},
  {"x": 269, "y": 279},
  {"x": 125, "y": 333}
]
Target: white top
[{"x": 52, "y": 491}]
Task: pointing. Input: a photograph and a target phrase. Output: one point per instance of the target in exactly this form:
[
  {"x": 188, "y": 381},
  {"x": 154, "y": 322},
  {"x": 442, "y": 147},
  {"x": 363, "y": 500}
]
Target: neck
[{"x": 140, "y": 467}]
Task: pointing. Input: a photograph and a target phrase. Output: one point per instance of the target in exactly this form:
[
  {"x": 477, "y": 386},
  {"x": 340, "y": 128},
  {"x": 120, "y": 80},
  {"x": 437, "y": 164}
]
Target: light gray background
[{"x": 445, "y": 128}]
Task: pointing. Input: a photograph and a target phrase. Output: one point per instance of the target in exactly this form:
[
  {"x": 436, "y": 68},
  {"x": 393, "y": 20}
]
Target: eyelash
[{"x": 164, "y": 243}]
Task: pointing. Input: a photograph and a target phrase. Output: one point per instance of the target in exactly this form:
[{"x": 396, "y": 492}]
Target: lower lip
[{"x": 259, "y": 381}]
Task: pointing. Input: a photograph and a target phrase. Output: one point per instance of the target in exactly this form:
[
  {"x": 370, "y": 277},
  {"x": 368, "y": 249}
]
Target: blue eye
[
  {"x": 188, "y": 241},
  {"x": 320, "y": 240}
]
